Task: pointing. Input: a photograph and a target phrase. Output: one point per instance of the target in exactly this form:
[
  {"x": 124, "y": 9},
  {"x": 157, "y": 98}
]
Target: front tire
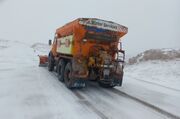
[{"x": 50, "y": 62}]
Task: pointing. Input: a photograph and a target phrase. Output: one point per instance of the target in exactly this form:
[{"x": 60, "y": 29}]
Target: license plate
[{"x": 106, "y": 72}]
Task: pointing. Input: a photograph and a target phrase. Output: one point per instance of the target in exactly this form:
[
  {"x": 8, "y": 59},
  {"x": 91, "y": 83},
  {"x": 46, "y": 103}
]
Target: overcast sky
[{"x": 151, "y": 23}]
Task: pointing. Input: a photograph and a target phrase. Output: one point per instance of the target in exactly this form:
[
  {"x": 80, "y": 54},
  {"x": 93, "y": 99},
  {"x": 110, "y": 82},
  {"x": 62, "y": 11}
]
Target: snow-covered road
[{"x": 31, "y": 92}]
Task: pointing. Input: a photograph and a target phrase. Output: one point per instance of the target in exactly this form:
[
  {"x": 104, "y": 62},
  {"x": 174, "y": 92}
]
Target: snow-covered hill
[
  {"x": 4, "y": 44},
  {"x": 41, "y": 48},
  {"x": 154, "y": 76},
  {"x": 160, "y": 66},
  {"x": 165, "y": 73},
  {"x": 156, "y": 54}
]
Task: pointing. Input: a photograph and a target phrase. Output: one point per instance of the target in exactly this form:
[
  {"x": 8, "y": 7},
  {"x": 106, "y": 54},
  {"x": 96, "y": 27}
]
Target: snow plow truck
[{"x": 87, "y": 49}]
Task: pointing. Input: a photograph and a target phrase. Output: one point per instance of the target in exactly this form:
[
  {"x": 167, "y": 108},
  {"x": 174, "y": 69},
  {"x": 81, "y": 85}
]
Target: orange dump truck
[{"x": 88, "y": 49}]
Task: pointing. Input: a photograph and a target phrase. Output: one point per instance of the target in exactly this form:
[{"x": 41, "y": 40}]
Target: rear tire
[
  {"x": 50, "y": 62},
  {"x": 68, "y": 75},
  {"x": 60, "y": 70}
]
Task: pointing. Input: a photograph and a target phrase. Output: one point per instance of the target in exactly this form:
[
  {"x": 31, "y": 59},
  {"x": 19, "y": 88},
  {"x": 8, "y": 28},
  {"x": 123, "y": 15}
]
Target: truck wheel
[
  {"x": 60, "y": 70},
  {"x": 50, "y": 62},
  {"x": 68, "y": 75}
]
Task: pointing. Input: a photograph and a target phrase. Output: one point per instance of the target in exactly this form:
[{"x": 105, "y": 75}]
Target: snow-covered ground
[
  {"x": 40, "y": 48},
  {"x": 163, "y": 73},
  {"x": 31, "y": 92},
  {"x": 155, "y": 78},
  {"x": 156, "y": 82}
]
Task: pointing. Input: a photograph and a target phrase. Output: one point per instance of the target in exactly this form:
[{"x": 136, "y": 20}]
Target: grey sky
[{"x": 151, "y": 23}]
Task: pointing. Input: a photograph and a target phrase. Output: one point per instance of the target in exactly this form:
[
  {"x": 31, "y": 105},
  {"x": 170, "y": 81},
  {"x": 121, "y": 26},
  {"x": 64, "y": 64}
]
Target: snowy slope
[
  {"x": 160, "y": 66},
  {"x": 165, "y": 54},
  {"x": 40, "y": 48},
  {"x": 31, "y": 92},
  {"x": 155, "y": 79},
  {"x": 165, "y": 73},
  {"x": 4, "y": 44}
]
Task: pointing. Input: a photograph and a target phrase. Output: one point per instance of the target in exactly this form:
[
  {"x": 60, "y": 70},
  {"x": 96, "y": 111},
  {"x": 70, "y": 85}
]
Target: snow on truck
[{"x": 88, "y": 49}]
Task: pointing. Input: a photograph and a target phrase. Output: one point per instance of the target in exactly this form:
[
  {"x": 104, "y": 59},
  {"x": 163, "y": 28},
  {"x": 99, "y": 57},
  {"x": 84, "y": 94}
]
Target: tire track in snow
[
  {"x": 152, "y": 83},
  {"x": 7, "y": 69},
  {"x": 83, "y": 100},
  {"x": 125, "y": 95},
  {"x": 89, "y": 105},
  {"x": 164, "y": 112}
]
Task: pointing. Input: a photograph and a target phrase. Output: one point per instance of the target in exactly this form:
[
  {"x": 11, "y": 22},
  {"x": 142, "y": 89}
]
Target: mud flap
[
  {"x": 43, "y": 65},
  {"x": 109, "y": 83},
  {"x": 106, "y": 84},
  {"x": 79, "y": 83}
]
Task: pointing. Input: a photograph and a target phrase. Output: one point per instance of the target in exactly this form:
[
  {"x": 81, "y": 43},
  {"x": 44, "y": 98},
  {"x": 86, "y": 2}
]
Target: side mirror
[{"x": 50, "y": 42}]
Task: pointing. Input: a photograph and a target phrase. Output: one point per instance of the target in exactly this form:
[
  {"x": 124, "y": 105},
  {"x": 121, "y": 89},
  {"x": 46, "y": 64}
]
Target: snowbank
[
  {"x": 159, "y": 66},
  {"x": 156, "y": 54},
  {"x": 4, "y": 44},
  {"x": 165, "y": 73},
  {"x": 41, "y": 48}
]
